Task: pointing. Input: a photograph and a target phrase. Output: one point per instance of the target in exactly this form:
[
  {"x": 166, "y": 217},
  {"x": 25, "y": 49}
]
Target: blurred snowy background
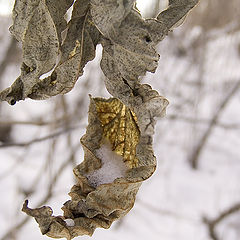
[{"x": 195, "y": 191}]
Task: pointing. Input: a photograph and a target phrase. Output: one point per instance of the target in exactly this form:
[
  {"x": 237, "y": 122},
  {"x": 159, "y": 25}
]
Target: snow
[
  {"x": 69, "y": 222},
  {"x": 112, "y": 168}
]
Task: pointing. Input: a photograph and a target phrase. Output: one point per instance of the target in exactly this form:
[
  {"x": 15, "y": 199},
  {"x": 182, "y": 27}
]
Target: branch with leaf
[{"x": 125, "y": 122}]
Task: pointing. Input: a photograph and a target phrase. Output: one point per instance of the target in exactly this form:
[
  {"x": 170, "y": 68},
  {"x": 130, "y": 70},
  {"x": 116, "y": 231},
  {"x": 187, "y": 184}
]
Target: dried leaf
[
  {"x": 131, "y": 42},
  {"x": 131, "y": 47},
  {"x": 40, "y": 54},
  {"x": 119, "y": 127},
  {"x": 109, "y": 14},
  {"x": 78, "y": 48},
  {"x": 22, "y": 13},
  {"x": 129, "y": 39},
  {"x": 98, "y": 206},
  {"x": 174, "y": 15},
  {"x": 40, "y": 44},
  {"x": 57, "y": 12}
]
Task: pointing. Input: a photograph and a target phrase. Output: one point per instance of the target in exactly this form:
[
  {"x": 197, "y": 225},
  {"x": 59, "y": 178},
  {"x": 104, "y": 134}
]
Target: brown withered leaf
[
  {"x": 125, "y": 122},
  {"x": 119, "y": 128},
  {"x": 131, "y": 47},
  {"x": 98, "y": 206},
  {"x": 40, "y": 53},
  {"x": 77, "y": 49}
]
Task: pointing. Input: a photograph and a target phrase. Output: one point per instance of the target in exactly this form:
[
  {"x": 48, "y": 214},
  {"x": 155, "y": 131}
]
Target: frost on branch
[{"x": 117, "y": 134}]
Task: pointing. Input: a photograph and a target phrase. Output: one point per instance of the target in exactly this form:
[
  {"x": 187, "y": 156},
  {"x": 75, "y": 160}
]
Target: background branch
[
  {"x": 194, "y": 157},
  {"x": 212, "y": 224}
]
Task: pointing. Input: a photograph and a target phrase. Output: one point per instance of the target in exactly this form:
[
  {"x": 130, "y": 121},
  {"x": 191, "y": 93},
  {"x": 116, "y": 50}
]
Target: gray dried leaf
[
  {"x": 22, "y": 13},
  {"x": 78, "y": 48},
  {"x": 40, "y": 44},
  {"x": 133, "y": 48},
  {"x": 57, "y": 12},
  {"x": 132, "y": 55},
  {"x": 174, "y": 15},
  {"x": 109, "y": 14},
  {"x": 130, "y": 52},
  {"x": 41, "y": 48}
]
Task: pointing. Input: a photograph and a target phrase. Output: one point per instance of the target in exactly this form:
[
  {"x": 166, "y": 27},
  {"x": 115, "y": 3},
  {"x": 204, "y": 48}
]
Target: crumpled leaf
[
  {"x": 78, "y": 48},
  {"x": 91, "y": 207},
  {"x": 130, "y": 41},
  {"x": 109, "y": 14},
  {"x": 130, "y": 51},
  {"x": 41, "y": 48},
  {"x": 173, "y": 16},
  {"x": 57, "y": 12},
  {"x": 119, "y": 128}
]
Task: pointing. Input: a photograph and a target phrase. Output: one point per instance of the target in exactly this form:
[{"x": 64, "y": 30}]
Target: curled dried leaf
[
  {"x": 78, "y": 48},
  {"x": 130, "y": 136},
  {"x": 174, "y": 15},
  {"x": 58, "y": 12},
  {"x": 41, "y": 48},
  {"x": 119, "y": 128},
  {"x": 108, "y": 15}
]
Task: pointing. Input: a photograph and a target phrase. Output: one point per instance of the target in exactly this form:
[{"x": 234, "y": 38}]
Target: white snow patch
[
  {"x": 112, "y": 168},
  {"x": 69, "y": 222}
]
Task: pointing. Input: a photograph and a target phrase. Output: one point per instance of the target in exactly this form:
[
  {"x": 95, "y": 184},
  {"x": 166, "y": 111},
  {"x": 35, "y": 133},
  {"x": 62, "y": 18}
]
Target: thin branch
[
  {"x": 35, "y": 123},
  {"x": 162, "y": 211},
  {"x": 48, "y": 195},
  {"x": 11, "y": 50},
  {"x": 201, "y": 121},
  {"x": 212, "y": 224},
  {"x": 37, "y": 140},
  {"x": 202, "y": 142},
  {"x": 59, "y": 121}
]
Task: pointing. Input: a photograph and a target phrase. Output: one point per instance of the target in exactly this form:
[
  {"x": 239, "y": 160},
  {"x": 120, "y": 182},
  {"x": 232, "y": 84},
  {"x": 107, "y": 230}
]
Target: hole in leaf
[
  {"x": 53, "y": 76},
  {"x": 13, "y": 102},
  {"x": 147, "y": 39}
]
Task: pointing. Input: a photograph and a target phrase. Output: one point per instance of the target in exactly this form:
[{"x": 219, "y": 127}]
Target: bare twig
[
  {"x": 59, "y": 121},
  {"x": 203, "y": 140},
  {"x": 162, "y": 211},
  {"x": 36, "y": 140},
  {"x": 34, "y": 123},
  {"x": 8, "y": 55},
  {"x": 212, "y": 224},
  {"x": 201, "y": 121},
  {"x": 48, "y": 195}
]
